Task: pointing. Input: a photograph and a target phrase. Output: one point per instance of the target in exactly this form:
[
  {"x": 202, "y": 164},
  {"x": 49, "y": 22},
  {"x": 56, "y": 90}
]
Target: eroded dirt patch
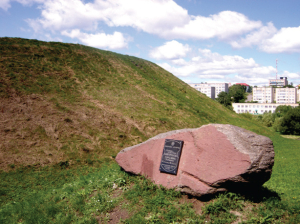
[
  {"x": 117, "y": 214},
  {"x": 41, "y": 130},
  {"x": 197, "y": 204}
]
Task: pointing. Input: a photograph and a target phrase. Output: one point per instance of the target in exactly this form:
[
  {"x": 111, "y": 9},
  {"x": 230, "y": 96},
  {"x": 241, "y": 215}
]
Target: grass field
[
  {"x": 66, "y": 111},
  {"x": 99, "y": 191}
]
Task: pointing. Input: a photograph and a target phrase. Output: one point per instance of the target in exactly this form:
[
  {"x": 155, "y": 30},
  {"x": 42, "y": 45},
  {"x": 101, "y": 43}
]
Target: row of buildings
[
  {"x": 268, "y": 98},
  {"x": 275, "y": 95},
  {"x": 211, "y": 90},
  {"x": 258, "y": 108}
]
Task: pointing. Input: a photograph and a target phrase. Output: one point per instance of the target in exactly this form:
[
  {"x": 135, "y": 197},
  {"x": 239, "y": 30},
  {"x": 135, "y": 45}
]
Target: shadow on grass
[
  {"x": 255, "y": 195},
  {"x": 258, "y": 194}
]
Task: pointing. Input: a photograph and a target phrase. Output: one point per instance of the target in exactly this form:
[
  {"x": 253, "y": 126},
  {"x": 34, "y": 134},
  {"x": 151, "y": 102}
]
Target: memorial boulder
[{"x": 203, "y": 160}]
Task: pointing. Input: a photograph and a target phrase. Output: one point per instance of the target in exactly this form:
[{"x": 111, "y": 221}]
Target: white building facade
[
  {"x": 206, "y": 87},
  {"x": 258, "y": 108},
  {"x": 209, "y": 91},
  {"x": 263, "y": 94},
  {"x": 286, "y": 95}
]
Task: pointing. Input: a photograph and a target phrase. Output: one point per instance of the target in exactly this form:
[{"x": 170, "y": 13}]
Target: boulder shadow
[
  {"x": 256, "y": 194},
  {"x": 253, "y": 194}
]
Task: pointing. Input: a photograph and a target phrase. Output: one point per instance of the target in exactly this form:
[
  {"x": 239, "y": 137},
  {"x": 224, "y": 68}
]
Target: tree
[
  {"x": 250, "y": 89},
  {"x": 237, "y": 92},
  {"x": 290, "y": 122},
  {"x": 268, "y": 119},
  {"x": 282, "y": 110},
  {"x": 224, "y": 98}
]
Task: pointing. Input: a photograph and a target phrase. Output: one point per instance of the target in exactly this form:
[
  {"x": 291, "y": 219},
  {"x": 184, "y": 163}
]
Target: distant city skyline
[{"x": 216, "y": 41}]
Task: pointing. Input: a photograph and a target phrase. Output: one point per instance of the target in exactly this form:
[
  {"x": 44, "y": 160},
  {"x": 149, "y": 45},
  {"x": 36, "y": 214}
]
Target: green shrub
[
  {"x": 268, "y": 119},
  {"x": 290, "y": 123},
  {"x": 277, "y": 123}
]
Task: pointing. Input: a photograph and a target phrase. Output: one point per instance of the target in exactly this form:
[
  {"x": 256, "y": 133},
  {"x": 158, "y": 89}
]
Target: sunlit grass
[{"x": 291, "y": 136}]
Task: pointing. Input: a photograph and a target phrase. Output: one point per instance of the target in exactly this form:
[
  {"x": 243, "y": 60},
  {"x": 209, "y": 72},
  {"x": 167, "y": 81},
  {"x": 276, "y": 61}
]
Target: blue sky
[{"x": 198, "y": 41}]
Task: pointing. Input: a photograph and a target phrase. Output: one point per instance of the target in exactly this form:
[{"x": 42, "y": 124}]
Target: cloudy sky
[{"x": 196, "y": 40}]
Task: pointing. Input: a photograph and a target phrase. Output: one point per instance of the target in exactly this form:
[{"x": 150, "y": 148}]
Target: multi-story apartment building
[
  {"x": 202, "y": 87},
  {"x": 258, "y": 108},
  {"x": 286, "y": 95},
  {"x": 208, "y": 91},
  {"x": 282, "y": 81},
  {"x": 263, "y": 94}
]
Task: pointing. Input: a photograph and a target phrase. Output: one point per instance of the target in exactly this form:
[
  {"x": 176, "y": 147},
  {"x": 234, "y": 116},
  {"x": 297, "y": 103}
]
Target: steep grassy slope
[{"x": 66, "y": 101}]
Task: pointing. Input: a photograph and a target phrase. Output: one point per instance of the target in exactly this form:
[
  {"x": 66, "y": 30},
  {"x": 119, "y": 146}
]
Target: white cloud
[
  {"x": 100, "y": 40},
  {"x": 152, "y": 16},
  {"x": 179, "y": 61},
  {"x": 5, "y": 4},
  {"x": 286, "y": 40},
  {"x": 256, "y": 37},
  {"x": 258, "y": 81},
  {"x": 164, "y": 18},
  {"x": 58, "y": 15},
  {"x": 224, "y": 25},
  {"x": 290, "y": 75},
  {"x": 170, "y": 50},
  {"x": 212, "y": 76},
  {"x": 270, "y": 40},
  {"x": 210, "y": 65}
]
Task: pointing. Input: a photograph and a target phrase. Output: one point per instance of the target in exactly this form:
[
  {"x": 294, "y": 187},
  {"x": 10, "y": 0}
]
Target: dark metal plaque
[{"x": 170, "y": 156}]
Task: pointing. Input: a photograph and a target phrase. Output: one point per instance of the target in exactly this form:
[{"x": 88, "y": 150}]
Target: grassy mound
[{"x": 61, "y": 102}]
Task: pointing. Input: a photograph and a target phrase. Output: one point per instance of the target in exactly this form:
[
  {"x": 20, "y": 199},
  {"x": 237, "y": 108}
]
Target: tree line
[
  {"x": 236, "y": 94},
  {"x": 285, "y": 120}
]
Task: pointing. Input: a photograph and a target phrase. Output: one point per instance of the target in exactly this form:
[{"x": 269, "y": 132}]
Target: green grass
[
  {"x": 286, "y": 176},
  {"x": 70, "y": 109},
  {"x": 90, "y": 193}
]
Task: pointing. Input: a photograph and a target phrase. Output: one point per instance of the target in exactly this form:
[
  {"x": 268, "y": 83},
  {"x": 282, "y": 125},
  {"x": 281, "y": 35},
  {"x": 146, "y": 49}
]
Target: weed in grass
[
  {"x": 64, "y": 147},
  {"x": 68, "y": 120},
  {"x": 89, "y": 161},
  {"x": 158, "y": 204},
  {"x": 63, "y": 164}
]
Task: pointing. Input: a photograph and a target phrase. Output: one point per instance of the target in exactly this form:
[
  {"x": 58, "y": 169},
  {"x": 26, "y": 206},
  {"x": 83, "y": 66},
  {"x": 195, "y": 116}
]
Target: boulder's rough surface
[{"x": 214, "y": 158}]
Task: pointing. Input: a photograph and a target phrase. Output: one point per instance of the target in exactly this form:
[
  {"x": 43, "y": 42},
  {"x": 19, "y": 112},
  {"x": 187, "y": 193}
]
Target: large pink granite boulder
[{"x": 214, "y": 158}]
